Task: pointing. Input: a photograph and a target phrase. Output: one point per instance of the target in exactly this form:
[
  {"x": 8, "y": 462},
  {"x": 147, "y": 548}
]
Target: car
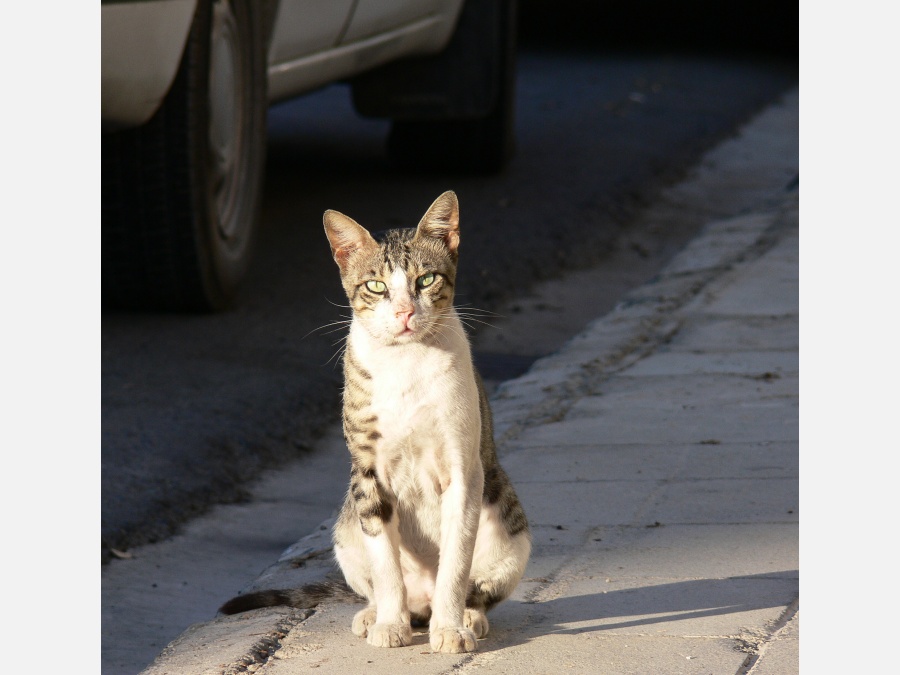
[{"x": 185, "y": 85}]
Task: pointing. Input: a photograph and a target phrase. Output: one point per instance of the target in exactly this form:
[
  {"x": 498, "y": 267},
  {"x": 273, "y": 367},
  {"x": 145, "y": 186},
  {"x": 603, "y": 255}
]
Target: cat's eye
[
  {"x": 425, "y": 280},
  {"x": 376, "y": 286}
]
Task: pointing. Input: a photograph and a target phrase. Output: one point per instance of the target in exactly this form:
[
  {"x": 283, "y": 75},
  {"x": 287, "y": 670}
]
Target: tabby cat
[{"x": 431, "y": 530}]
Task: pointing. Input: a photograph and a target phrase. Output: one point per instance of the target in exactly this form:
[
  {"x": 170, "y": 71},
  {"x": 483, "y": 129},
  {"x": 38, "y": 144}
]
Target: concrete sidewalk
[{"x": 656, "y": 456}]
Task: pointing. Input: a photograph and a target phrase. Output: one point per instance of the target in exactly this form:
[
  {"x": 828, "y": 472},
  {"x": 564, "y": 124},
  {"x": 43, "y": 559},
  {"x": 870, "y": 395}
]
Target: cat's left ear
[
  {"x": 345, "y": 236},
  {"x": 441, "y": 221}
]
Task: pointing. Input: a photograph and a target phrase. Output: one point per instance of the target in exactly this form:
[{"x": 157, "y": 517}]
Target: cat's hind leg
[
  {"x": 476, "y": 620},
  {"x": 498, "y": 564},
  {"x": 363, "y": 619}
]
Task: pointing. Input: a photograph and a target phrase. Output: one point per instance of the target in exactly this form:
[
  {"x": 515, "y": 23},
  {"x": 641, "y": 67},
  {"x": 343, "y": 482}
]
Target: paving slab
[
  {"x": 732, "y": 500},
  {"x": 578, "y": 505},
  {"x": 760, "y": 364},
  {"x": 709, "y": 608},
  {"x": 664, "y": 461},
  {"x": 704, "y": 551},
  {"x": 781, "y": 653},
  {"x": 765, "y": 288},
  {"x": 565, "y": 652},
  {"x": 678, "y": 410},
  {"x": 712, "y": 333}
]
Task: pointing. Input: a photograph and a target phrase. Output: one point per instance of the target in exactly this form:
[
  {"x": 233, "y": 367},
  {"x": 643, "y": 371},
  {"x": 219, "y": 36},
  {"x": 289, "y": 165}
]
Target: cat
[{"x": 431, "y": 530}]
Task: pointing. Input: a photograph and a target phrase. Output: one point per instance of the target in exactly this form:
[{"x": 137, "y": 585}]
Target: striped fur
[{"x": 431, "y": 528}]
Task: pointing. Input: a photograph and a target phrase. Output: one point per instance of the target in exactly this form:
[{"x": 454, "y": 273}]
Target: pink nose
[{"x": 404, "y": 316}]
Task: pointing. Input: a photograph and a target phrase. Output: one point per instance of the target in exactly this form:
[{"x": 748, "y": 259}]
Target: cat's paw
[
  {"x": 452, "y": 640},
  {"x": 477, "y": 621},
  {"x": 363, "y": 619},
  {"x": 389, "y": 635}
]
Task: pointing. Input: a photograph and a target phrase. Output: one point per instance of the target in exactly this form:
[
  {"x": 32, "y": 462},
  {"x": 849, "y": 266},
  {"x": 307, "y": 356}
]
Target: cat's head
[{"x": 400, "y": 286}]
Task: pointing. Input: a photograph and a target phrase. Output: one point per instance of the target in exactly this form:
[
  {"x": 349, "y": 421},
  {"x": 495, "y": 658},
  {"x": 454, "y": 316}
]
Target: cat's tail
[{"x": 305, "y": 597}]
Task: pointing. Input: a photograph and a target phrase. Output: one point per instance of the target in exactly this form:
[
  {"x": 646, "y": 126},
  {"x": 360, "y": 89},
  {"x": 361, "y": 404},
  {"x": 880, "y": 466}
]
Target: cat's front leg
[
  {"x": 460, "y": 510},
  {"x": 392, "y": 620},
  {"x": 378, "y": 520}
]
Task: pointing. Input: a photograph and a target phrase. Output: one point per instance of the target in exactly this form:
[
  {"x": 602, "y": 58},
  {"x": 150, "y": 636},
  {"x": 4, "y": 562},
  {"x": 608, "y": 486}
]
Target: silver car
[{"x": 185, "y": 88}]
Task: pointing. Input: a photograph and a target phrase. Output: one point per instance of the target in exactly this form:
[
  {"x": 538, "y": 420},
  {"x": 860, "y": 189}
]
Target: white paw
[
  {"x": 452, "y": 640},
  {"x": 363, "y": 619},
  {"x": 389, "y": 635},
  {"x": 477, "y": 621}
]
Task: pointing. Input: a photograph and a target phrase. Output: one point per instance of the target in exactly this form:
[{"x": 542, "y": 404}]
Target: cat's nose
[{"x": 404, "y": 316}]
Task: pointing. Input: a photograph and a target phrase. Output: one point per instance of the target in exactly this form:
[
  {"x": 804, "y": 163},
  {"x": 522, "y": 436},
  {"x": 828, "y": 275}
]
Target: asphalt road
[{"x": 195, "y": 406}]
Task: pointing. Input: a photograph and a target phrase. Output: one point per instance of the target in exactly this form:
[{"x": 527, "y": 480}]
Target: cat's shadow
[{"x": 626, "y": 609}]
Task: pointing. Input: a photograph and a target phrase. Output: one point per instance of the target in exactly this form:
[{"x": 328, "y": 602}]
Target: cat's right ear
[
  {"x": 346, "y": 236},
  {"x": 441, "y": 221}
]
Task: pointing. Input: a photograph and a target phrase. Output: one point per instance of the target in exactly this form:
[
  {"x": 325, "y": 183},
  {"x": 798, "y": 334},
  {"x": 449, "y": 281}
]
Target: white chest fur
[{"x": 426, "y": 401}]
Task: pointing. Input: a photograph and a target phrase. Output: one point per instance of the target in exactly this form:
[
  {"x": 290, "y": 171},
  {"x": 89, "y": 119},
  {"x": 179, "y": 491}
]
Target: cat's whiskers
[
  {"x": 467, "y": 319},
  {"x": 336, "y": 357},
  {"x": 344, "y": 325},
  {"x": 471, "y": 308},
  {"x": 338, "y": 325},
  {"x": 445, "y": 323},
  {"x": 470, "y": 315}
]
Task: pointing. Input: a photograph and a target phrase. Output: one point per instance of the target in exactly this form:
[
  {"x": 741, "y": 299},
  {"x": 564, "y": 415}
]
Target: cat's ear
[
  {"x": 441, "y": 221},
  {"x": 346, "y": 236}
]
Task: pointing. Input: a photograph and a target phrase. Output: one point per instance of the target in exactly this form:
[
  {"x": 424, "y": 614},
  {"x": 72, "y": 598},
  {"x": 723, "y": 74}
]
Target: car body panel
[
  {"x": 314, "y": 43},
  {"x": 373, "y": 17},
  {"x": 304, "y": 27},
  {"x": 142, "y": 44},
  {"x": 306, "y": 73}
]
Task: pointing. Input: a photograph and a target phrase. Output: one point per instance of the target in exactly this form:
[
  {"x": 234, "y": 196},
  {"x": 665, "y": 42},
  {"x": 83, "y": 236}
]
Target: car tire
[
  {"x": 479, "y": 145},
  {"x": 182, "y": 193}
]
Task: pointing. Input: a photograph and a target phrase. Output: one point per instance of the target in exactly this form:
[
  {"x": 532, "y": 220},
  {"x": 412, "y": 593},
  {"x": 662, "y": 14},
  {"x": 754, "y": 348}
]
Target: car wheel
[
  {"x": 182, "y": 193},
  {"x": 482, "y": 144}
]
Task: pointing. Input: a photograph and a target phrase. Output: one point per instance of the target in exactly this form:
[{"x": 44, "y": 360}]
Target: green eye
[
  {"x": 376, "y": 286},
  {"x": 425, "y": 280}
]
